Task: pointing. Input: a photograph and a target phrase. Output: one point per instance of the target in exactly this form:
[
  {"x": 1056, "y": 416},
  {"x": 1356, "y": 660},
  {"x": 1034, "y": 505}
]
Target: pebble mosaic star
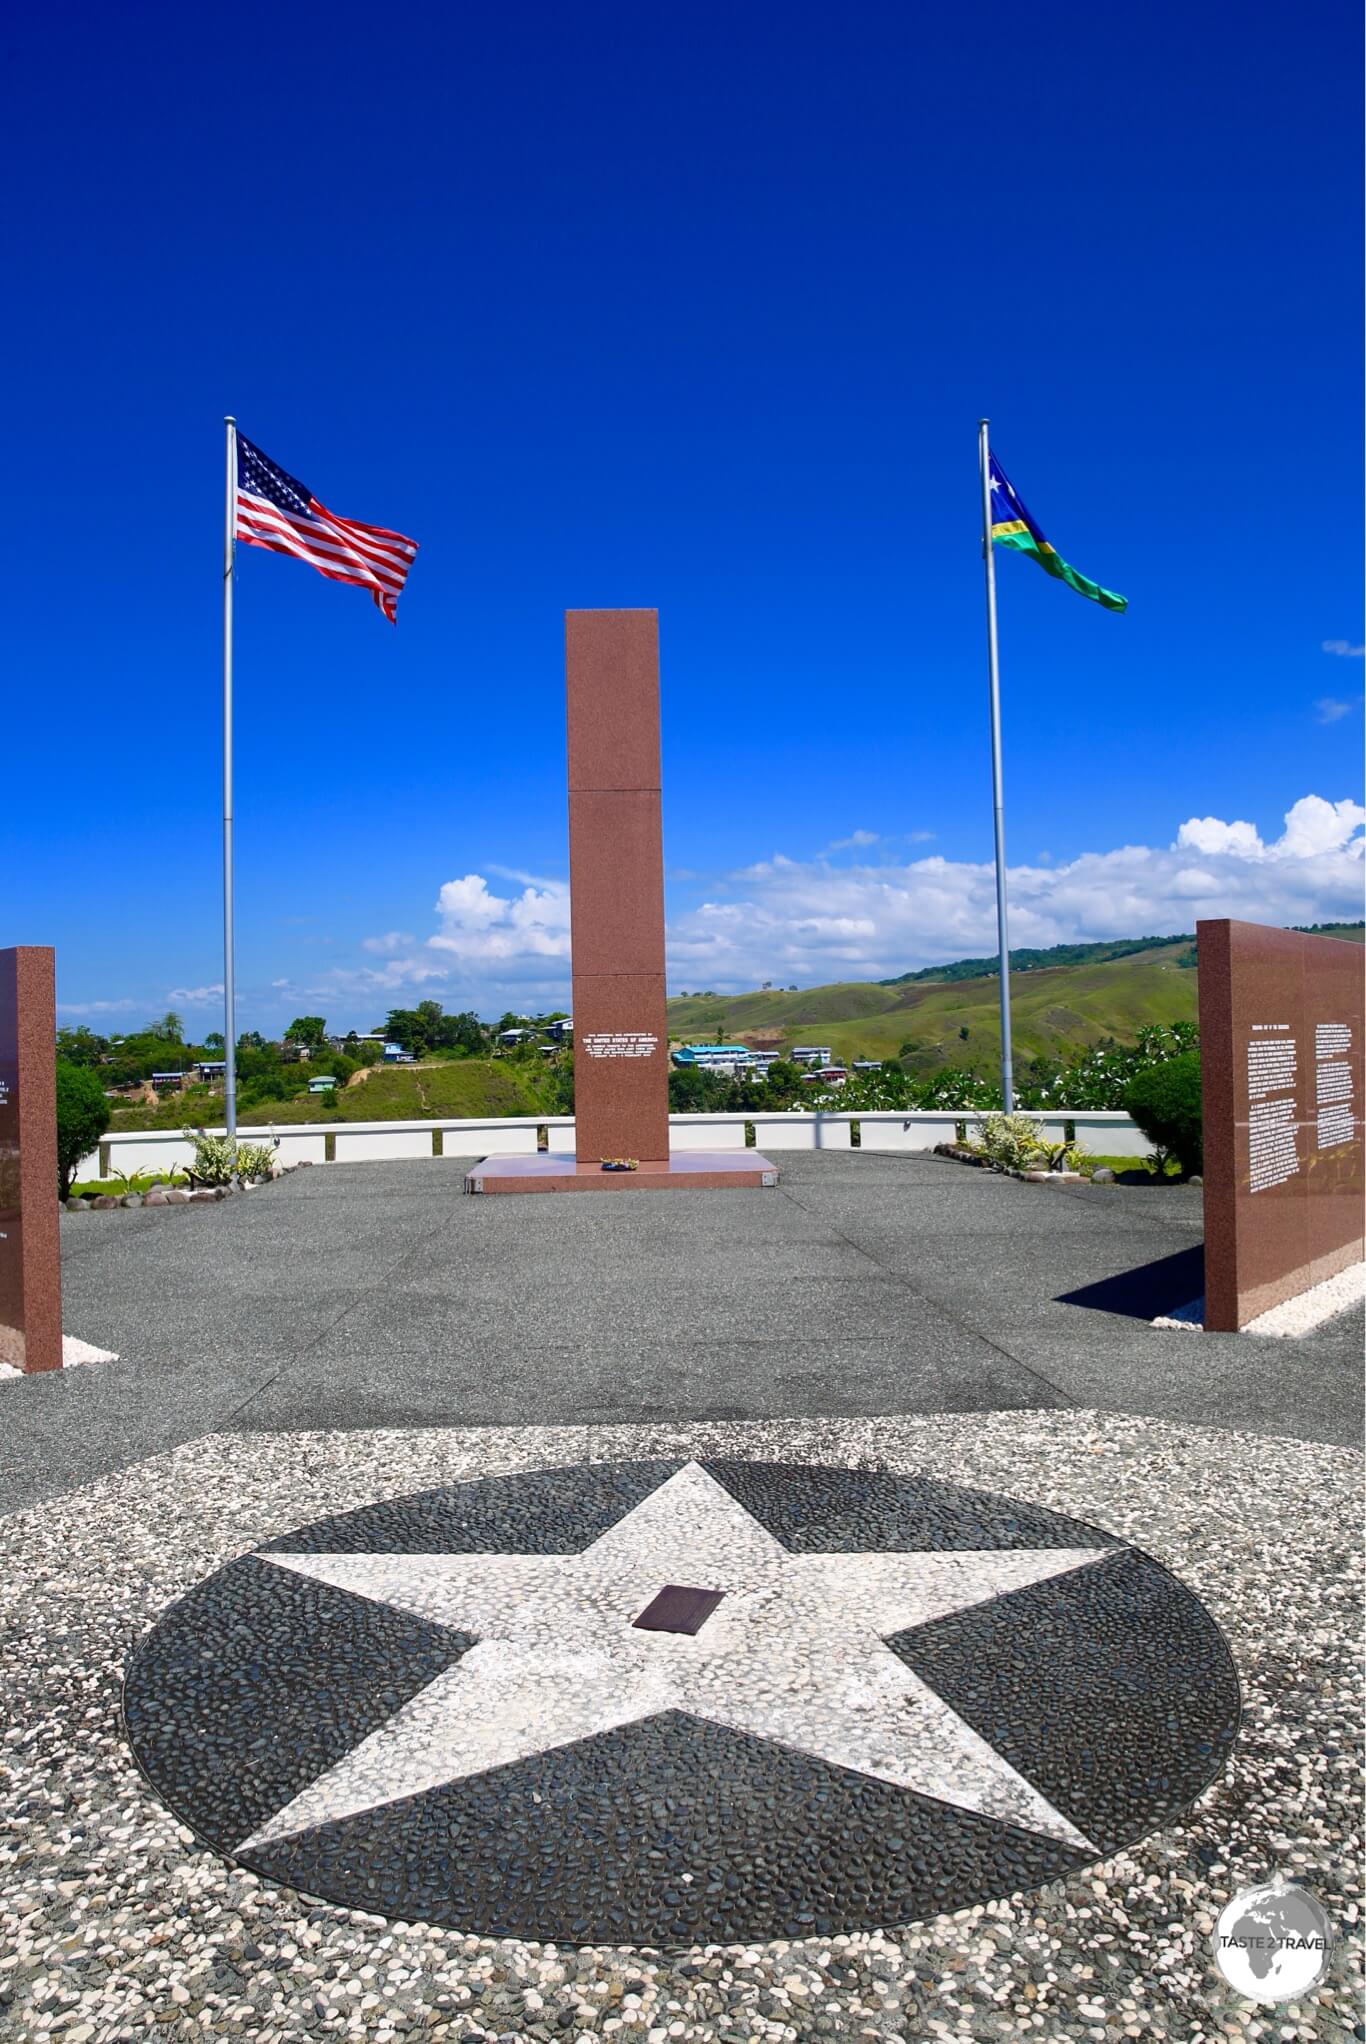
[
  {"x": 792, "y": 1651},
  {"x": 663, "y": 1703}
]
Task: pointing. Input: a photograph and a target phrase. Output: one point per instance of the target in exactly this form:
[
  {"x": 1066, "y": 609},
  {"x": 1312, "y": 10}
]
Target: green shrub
[
  {"x": 1164, "y": 1100},
  {"x": 82, "y": 1118}
]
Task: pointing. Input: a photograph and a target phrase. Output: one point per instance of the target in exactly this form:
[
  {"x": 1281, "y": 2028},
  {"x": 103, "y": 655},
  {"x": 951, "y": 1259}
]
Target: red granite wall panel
[
  {"x": 1281, "y": 1029},
  {"x": 30, "y": 1242}
]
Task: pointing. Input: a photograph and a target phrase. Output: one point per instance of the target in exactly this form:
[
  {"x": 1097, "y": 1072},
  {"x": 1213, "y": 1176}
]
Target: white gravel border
[
  {"x": 73, "y": 1353},
  {"x": 1300, "y": 1315}
]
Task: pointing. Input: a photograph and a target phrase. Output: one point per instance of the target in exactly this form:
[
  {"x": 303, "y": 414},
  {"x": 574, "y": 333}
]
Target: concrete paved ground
[{"x": 367, "y": 1295}]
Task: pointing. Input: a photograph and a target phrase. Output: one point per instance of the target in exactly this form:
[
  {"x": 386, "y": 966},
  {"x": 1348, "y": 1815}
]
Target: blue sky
[{"x": 695, "y": 308}]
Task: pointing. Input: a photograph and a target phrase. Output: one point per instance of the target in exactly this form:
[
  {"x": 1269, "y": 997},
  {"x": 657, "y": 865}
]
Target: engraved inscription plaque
[
  {"x": 1280, "y": 1043},
  {"x": 1273, "y": 1155}
]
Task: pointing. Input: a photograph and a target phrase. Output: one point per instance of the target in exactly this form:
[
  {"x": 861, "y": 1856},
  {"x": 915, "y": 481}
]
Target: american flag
[{"x": 278, "y": 511}]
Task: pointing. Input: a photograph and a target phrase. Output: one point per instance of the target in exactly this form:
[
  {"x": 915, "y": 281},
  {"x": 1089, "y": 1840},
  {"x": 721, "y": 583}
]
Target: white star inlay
[{"x": 794, "y": 1652}]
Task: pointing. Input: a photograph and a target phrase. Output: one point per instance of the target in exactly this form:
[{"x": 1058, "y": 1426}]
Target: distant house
[
  {"x": 323, "y": 1083},
  {"x": 561, "y": 1029},
  {"x": 866, "y": 1064},
  {"x": 726, "y": 1058},
  {"x": 395, "y": 1054},
  {"x": 211, "y": 1069},
  {"x": 811, "y": 1054},
  {"x": 169, "y": 1082},
  {"x": 512, "y": 1037}
]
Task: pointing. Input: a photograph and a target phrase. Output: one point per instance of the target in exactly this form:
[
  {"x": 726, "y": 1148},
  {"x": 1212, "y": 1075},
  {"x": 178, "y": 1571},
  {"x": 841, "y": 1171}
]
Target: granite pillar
[
  {"x": 30, "y": 1242},
  {"x": 1281, "y": 1028},
  {"x": 616, "y": 886},
  {"x": 616, "y": 918}
]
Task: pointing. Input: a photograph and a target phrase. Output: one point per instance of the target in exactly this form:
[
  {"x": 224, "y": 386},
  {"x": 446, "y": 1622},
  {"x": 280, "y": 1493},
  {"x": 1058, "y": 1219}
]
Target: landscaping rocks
[
  {"x": 159, "y": 1194},
  {"x": 960, "y": 1154},
  {"x": 1103, "y": 1176}
]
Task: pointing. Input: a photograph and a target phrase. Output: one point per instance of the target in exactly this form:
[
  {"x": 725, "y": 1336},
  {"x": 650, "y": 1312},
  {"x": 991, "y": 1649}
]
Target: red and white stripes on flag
[{"x": 275, "y": 510}]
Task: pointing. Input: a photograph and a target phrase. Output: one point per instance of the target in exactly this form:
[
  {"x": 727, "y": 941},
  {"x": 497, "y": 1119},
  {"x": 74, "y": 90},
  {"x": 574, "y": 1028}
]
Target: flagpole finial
[{"x": 229, "y": 419}]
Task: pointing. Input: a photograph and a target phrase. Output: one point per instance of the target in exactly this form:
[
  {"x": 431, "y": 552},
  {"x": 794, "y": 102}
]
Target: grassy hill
[
  {"x": 464, "y": 1088},
  {"x": 467, "y": 1089},
  {"x": 1057, "y": 1009}
]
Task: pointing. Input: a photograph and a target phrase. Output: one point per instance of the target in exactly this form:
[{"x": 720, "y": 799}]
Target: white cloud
[
  {"x": 1328, "y": 709},
  {"x": 806, "y": 921},
  {"x": 1209, "y": 834},
  {"x": 1344, "y": 649},
  {"x": 95, "y": 1007},
  {"x": 1314, "y": 826},
  {"x": 415, "y": 971},
  {"x": 391, "y": 941},
  {"x": 810, "y": 920},
  {"x": 196, "y": 997},
  {"x": 857, "y": 840},
  {"x": 479, "y": 927}
]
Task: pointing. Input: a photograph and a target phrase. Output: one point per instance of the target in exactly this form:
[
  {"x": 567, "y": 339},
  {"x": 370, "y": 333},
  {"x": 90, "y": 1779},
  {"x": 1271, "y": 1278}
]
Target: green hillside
[
  {"x": 463, "y": 1088},
  {"x": 1056, "y": 1009}
]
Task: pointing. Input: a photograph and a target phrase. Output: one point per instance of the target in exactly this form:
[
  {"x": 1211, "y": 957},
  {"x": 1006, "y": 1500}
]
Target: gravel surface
[{"x": 115, "y": 1925}]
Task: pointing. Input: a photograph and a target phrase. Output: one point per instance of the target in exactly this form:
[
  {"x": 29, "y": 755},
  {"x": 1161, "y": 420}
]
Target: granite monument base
[{"x": 684, "y": 1171}]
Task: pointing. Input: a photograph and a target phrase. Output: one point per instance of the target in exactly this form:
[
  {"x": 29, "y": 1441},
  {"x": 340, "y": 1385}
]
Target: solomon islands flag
[{"x": 1011, "y": 525}]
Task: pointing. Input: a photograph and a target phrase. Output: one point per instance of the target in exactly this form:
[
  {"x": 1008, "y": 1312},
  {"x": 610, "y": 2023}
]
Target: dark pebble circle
[{"x": 1110, "y": 1689}]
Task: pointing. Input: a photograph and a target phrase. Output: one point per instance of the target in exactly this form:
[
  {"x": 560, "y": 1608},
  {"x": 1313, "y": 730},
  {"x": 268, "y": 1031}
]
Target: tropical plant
[
  {"x": 1013, "y": 1140},
  {"x": 218, "y": 1160},
  {"x": 256, "y": 1160},
  {"x": 214, "y": 1157}
]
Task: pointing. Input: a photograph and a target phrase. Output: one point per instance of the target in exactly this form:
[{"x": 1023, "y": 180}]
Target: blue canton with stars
[{"x": 259, "y": 476}]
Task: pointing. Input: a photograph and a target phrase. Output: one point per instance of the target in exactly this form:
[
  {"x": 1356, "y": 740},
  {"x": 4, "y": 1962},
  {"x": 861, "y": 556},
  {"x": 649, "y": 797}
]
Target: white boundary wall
[{"x": 359, "y": 1142}]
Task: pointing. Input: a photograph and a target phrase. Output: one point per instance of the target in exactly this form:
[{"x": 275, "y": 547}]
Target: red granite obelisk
[
  {"x": 30, "y": 1239},
  {"x": 616, "y": 914},
  {"x": 616, "y": 886}
]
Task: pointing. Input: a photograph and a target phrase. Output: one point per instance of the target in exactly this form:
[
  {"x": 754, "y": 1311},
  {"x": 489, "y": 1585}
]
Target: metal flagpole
[
  {"x": 229, "y": 999},
  {"x": 998, "y": 799}
]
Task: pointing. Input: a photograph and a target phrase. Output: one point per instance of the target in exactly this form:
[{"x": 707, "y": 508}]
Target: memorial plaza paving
[{"x": 824, "y": 1612}]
